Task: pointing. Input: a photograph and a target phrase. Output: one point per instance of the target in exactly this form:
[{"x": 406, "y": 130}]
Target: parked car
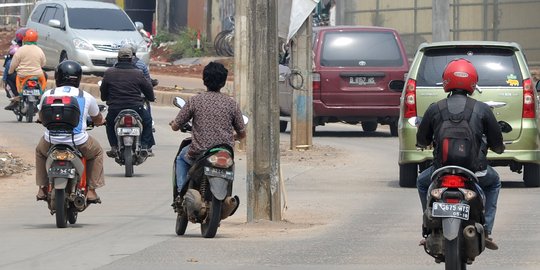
[
  {"x": 89, "y": 32},
  {"x": 505, "y": 84},
  {"x": 358, "y": 76}
]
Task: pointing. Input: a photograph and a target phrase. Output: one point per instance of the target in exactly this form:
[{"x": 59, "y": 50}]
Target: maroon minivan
[{"x": 358, "y": 76}]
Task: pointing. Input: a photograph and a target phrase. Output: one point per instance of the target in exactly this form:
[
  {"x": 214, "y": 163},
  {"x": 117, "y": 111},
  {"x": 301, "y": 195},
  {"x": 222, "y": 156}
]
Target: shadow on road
[{"x": 344, "y": 134}]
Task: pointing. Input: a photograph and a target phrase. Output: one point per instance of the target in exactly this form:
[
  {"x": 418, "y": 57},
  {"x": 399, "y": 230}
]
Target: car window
[
  {"x": 495, "y": 66},
  {"x": 99, "y": 18},
  {"x": 37, "y": 13},
  {"x": 353, "y": 49},
  {"x": 59, "y": 15},
  {"x": 48, "y": 15}
]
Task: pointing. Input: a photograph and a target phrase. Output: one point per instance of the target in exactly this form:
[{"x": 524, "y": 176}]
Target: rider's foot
[
  {"x": 422, "y": 242},
  {"x": 113, "y": 152},
  {"x": 147, "y": 151},
  {"x": 42, "y": 194},
  {"x": 490, "y": 244},
  {"x": 11, "y": 106},
  {"x": 92, "y": 197}
]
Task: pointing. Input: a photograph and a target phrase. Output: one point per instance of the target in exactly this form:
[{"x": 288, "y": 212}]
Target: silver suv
[{"x": 89, "y": 32}]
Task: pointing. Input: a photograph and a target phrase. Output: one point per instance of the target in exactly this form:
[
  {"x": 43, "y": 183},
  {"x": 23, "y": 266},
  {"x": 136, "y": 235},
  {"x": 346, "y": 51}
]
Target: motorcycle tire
[
  {"x": 181, "y": 224},
  {"x": 213, "y": 218},
  {"x": 72, "y": 214},
  {"x": 453, "y": 254},
  {"x": 30, "y": 112},
  {"x": 128, "y": 161},
  {"x": 60, "y": 206}
]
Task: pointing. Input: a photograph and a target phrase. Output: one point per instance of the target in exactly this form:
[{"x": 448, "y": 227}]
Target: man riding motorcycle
[
  {"x": 215, "y": 118},
  {"x": 68, "y": 77},
  {"x": 9, "y": 81},
  {"x": 29, "y": 61},
  {"x": 460, "y": 79},
  {"x": 121, "y": 88}
]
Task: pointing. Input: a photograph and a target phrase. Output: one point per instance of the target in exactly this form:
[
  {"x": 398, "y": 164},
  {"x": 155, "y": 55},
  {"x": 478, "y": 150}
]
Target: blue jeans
[
  {"x": 147, "y": 137},
  {"x": 490, "y": 184},
  {"x": 183, "y": 164}
]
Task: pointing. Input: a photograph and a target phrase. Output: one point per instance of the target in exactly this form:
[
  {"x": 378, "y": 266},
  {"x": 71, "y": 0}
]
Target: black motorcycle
[
  {"x": 29, "y": 99},
  {"x": 207, "y": 196}
]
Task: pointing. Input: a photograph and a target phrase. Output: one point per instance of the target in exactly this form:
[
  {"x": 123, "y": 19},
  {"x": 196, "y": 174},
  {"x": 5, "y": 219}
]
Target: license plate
[
  {"x": 216, "y": 172},
  {"x": 361, "y": 80},
  {"x": 454, "y": 210},
  {"x": 110, "y": 61},
  {"x": 31, "y": 92},
  {"x": 61, "y": 172},
  {"x": 128, "y": 131}
]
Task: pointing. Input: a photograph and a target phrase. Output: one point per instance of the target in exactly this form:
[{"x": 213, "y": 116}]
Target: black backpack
[{"x": 456, "y": 143}]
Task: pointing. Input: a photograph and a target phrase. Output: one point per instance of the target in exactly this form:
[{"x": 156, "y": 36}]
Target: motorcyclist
[
  {"x": 215, "y": 118},
  {"x": 121, "y": 88},
  {"x": 9, "y": 80},
  {"x": 68, "y": 77},
  {"x": 460, "y": 79},
  {"x": 29, "y": 61},
  {"x": 139, "y": 63}
]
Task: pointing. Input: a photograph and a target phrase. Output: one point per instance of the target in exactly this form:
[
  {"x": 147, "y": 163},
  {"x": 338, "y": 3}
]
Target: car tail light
[
  {"x": 528, "y": 99},
  {"x": 221, "y": 159},
  {"x": 410, "y": 99},
  {"x": 127, "y": 121},
  {"x": 453, "y": 181},
  {"x": 316, "y": 81}
]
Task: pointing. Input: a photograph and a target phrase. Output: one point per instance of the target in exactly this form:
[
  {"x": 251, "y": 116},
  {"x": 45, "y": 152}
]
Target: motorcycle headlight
[
  {"x": 82, "y": 45},
  {"x": 62, "y": 155}
]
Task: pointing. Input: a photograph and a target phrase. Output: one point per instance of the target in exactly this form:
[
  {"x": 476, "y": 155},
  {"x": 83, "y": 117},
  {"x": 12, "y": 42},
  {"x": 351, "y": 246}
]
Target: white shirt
[{"x": 88, "y": 106}]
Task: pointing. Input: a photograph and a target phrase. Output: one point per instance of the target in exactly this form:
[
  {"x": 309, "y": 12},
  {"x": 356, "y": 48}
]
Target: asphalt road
[{"x": 345, "y": 211}]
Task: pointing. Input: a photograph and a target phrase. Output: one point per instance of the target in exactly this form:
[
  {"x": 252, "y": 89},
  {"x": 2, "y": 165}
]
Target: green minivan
[{"x": 505, "y": 84}]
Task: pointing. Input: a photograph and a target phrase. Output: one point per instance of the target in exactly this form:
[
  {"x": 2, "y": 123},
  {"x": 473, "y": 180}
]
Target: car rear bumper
[{"x": 321, "y": 110}]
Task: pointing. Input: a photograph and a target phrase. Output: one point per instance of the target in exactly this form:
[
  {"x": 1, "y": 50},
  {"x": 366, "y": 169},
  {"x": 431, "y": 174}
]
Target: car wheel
[
  {"x": 408, "y": 174},
  {"x": 531, "y": 175},
  {"x": 393, "y": 129},
  {"x": 369, "y": 126},
  {"x": 282, "y": 126}
]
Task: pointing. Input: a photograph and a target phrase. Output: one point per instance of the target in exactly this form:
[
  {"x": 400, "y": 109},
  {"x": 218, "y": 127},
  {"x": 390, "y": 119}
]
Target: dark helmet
[{"x": 68, "y": 73}]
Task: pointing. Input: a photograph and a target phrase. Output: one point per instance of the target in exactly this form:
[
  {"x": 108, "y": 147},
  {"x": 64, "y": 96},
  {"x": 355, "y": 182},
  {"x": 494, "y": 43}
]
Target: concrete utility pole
[
  {"x": 258, "y": 77},
  {"x": 440, "y": 20},
  {"x": 302, "y": 110}
]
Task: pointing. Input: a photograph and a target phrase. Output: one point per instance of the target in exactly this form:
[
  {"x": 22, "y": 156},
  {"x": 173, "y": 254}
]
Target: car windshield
[
  {"x": 99, "y": 18},
  {"x": 495, "y": 66},
  {"x": 366, "y": 49}
]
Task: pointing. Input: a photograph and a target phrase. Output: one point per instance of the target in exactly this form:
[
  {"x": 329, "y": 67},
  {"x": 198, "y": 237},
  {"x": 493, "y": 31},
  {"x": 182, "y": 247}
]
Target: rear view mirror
[
  {"x": 54, "y": 23},
  {"x": 139, "y": 25},
  {"x": 396, "y": 85},
  {"x": 179, "y": 102},
  {"x": 505, "y": 127}
]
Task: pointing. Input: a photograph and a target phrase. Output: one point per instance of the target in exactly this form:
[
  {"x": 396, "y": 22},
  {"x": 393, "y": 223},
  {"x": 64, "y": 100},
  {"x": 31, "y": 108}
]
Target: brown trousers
[
  {"x": 21, "y": 80},
  {"x": 91, "y": 150}
]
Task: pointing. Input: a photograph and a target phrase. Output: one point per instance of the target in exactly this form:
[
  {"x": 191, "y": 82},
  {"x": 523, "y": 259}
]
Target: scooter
[
  {"x": 207, "y": 196},
  {"x": 29, "y": 100}
]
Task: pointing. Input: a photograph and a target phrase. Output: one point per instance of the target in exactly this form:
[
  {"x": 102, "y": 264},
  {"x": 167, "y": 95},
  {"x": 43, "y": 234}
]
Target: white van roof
[{"x": 81, "y": 4}]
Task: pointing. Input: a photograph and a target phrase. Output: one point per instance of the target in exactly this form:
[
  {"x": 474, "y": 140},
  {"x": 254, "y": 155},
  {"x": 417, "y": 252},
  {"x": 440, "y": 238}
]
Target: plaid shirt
[{"x": 215, "y": 117}]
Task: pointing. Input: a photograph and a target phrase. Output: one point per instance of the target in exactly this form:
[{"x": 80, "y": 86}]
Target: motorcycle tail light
[
  {"x": 453, "y": 181},
  {"x": 62, "y": 155},
  {"x": 127, "y": 121},
  {"x": 469, "y": 194},
  {"x": 221, "y": 159},
  {"x": 31, "y": 84},
  {"x": 452, "y": 200},
  {"x": 437, "y": 193}
]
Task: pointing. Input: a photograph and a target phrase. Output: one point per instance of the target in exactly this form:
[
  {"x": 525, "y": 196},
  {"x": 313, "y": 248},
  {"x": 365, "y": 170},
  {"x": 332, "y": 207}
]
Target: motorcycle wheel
[
  {"x": 181, "y": 224},
  {"x": 30, "y": 112},
  {"x": 209, "y": 229},
  {"x": 61, "y": 208},
  {"x": 128, "y": 161},
  {"x": 72, "y": 214},
  {"x": 453, "y": 258}
]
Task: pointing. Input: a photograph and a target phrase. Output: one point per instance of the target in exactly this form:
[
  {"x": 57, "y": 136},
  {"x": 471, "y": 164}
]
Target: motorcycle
[
  {"x": 30, "y": 97},
  {"x": 453, "y": 222},
  {"x": 207, "y": 196},
  {"x": 66, "y": 170}
]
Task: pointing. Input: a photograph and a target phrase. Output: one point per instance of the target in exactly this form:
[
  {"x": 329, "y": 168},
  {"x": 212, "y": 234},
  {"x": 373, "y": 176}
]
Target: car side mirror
[
  {"x": 55, "y": 23},
  {"x": 139, "y": 26},
  {"x": 505, "y": 127},
  {"x": 179, "y": 102},
  {"x": 396, "y": 85}
]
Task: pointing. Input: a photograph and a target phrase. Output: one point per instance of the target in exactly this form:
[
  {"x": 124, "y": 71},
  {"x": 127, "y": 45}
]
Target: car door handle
[{"x": 495, "y": 104}]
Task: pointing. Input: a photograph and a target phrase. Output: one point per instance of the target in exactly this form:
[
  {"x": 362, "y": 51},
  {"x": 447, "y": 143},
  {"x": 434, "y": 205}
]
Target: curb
[{"x": 163, "y": 98}]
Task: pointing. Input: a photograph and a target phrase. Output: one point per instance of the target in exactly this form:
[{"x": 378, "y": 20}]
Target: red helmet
[
  {"x": 460, "y": 74},
  {"x": 19, "y": 35},
  {"x": 31, "y": 35}
]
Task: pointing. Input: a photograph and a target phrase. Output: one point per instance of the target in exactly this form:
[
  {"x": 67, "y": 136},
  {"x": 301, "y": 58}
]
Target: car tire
[
  {"x": 283, "y": 126},
  {"x": 369, "y": 126},
  {"x": 408, "y": 174},
  {"x": 531, "y": 175},
  {"x": 393, "y": 129}
]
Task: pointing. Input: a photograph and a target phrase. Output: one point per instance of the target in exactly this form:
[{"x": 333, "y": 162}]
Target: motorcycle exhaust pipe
[
  {"x": 80, "y": 202},
  {"x": 472, "y": 244},
  {"x": 230, "y": 204}
]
